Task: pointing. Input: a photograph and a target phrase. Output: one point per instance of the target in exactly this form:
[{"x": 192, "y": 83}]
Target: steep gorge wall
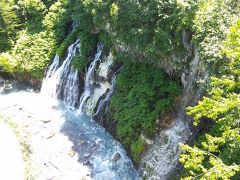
[
  {"x": 161, "y": 157},
  {"x": 162, "y": 152}
]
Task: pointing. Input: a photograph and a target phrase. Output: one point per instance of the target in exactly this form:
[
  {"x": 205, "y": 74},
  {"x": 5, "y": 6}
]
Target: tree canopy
[{"x": 216, "y": 154}]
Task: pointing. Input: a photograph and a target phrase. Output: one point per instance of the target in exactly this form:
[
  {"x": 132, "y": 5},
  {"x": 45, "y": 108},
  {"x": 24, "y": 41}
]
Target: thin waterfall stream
[
  {"x": 88, "y": 79},
  {"x": 162, "y": 158}
]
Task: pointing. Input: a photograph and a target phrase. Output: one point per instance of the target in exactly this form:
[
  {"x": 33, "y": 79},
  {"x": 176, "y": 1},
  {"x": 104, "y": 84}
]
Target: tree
[
  {"x": 216, "y": 154},
  {"x": 9, "y": 25}
]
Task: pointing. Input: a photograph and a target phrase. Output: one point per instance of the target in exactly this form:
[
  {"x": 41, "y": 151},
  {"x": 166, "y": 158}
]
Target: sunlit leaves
[
  {"x": 42, "y": 30},
  {"x": 7, "y": 63},
  {"x": 9, "y": 25},
  {"x": 194, "y": 160},
  {"x": 33, "y": 52},
  {"x": 211, "y": 25},
  {"x": 114, "y": 10},
  {"x": 221, "y": 147}
]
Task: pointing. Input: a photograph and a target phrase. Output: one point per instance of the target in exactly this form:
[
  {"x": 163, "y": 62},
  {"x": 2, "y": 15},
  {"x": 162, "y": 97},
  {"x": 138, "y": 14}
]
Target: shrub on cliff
[
  {"x": 142, "y": 94},
  {"x": 150, "y": 27}
]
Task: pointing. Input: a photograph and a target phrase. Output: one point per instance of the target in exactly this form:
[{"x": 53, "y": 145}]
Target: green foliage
[
  {"x": 150, "y": 27},
  {"x": 48, "y": 3},
  {"x": 30, "y": 55},
  {"x": 142, "y": 94},
  {"x": 105, "y": 38},
  {"x": 204, "y": 165},
  {"x": 216, "y": 154},
  {"x": 33, "y": 53},
  {"x": 32, "y": 32},
  {"x": 32, "y": 13},
  {"x": 79, "y": 14},
  {"x": 79, "y": 62},
  {"x": 57, "y": 20},
  {"x": 210, "y": 25},
  {"x": 9, "y": 24},
  {"x": 6, "y": 63},
  {"x": 137, "y": 148},
  {"x": 87, "y": 47},
  {"x": 88, "y": 43},
  {"x": 69, "y": 40}
]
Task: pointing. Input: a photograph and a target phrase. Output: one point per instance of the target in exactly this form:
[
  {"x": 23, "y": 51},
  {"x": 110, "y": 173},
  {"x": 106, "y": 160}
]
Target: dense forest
[{"x": 144, "y": 36}]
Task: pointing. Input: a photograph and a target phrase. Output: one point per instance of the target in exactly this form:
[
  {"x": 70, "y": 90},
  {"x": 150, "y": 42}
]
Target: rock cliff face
[
  {"x": 90, "y": 91},
  {"x": 161, "y": 158},
  {"x": 92, "y": 94}
]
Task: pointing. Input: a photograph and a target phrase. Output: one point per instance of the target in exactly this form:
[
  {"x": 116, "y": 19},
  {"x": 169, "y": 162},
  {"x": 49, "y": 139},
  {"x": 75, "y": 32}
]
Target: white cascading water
[
  {"x": 61, "y": 82},
  {"x": 102, "y": 87},
  {"x": 88, "y": 84},
  {"x": 58, "y": 129},
  {"x": 162, "y": 158},
  {"x": 104, "y": 103},
  {"x": 100, "y": 151}
]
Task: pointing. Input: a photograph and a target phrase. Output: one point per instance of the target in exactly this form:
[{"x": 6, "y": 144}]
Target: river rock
[
  {"x": 1, "y": 82},
  {"x": 87, "y": 163},
  {"x": 116, "y": 156},
  {"x": 87, "y": 155},
  {"x": 146, "y": 140},
  {"x": 71, "y": 153},
  {"x": 50, "y": 135},
  {"x": 46, "y": 120},
  {"x": 83, "y": 142},
  {"x": 54, "y": 107},
  {"x": 7, "y": 88}
]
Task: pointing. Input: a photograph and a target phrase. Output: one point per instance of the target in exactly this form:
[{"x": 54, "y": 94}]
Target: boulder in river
[
  {"x": 46, "y": 120},
  {"x": 87, "y": 155},
  {"x": 116, "y": 156}
]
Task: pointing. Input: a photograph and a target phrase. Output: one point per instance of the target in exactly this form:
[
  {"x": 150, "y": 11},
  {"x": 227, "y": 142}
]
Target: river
[{"x": 64, "y": 143}]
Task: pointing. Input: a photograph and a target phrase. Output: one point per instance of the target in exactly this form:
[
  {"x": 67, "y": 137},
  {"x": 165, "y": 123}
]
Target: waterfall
[
  {"x": 99, "y": 85},
  {"x": 162, "y": 157},
  {"x": 62, "y": 81},
  {"x": 104, "y": 103},
  {"x": 107, "y": 158},
  {"x": 64, "y": 144},
  {"x": 88, "y": 84}
]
